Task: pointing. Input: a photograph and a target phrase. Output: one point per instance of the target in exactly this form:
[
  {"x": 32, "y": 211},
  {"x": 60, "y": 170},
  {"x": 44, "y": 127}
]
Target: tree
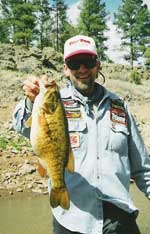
[
  {"x": 92, "y": 22},
  {"x": 69, "y": 31},
  {"x": 4, "y": 23},
  {"x": 59, "y": 22},
  {"x": 147, "y": 57},
  {"x": 24, "y": 21},
  {"x": 133, "y": 18},
  {"x": 44, "y": 22},
  {"x": 4, "y": 31},
  {"x": 21, "y": 19}
]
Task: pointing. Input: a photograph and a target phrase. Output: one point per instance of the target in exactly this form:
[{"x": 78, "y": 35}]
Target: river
[
  {"x": 31, "y": 214},
  {"x": 25, "y": 215}
]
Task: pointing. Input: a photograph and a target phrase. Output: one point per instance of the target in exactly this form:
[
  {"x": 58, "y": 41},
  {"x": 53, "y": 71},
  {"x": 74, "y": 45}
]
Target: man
[{"x": 106, "y": 143}]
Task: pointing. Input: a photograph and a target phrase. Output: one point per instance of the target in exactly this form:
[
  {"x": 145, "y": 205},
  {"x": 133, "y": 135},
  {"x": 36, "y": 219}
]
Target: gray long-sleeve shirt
[{"x": 108, "y": 151}]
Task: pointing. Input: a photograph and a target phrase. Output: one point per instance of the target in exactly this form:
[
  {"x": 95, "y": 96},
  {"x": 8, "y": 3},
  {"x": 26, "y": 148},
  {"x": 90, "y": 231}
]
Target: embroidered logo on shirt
[
  {"x": 75, "y": 114},
  {"x": 72, "y": 108},
  {"x": 69, "y": 103},
  {"x": 75, "y": 140},
  {"x": 118, "y": 113}
]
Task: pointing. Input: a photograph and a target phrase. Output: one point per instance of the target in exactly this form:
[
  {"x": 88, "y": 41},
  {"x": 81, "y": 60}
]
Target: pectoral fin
[
  {"x": 42, "y": 171},
  {"x": 70, "y": 165},
  {"x": 29, "y": 122}
]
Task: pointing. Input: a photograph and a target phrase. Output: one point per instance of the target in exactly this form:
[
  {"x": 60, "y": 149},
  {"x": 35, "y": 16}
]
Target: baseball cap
[{"x": 79, "y": 44}]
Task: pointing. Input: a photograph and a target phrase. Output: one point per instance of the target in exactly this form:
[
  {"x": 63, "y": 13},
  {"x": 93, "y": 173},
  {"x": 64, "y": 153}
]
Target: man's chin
[{"x": 84, "y": 89}]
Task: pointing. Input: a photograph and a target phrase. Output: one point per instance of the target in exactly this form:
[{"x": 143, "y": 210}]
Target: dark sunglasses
[{"x": 87, "y": 62}]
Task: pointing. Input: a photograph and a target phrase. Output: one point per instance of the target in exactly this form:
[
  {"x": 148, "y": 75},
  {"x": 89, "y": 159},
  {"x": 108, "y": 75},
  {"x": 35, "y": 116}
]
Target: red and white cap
[{"x": 79, "y": 44}]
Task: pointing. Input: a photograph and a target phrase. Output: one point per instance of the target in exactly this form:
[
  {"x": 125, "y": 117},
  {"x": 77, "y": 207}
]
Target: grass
[
  {"x": 15, "y": 143},
  {"x": 3, "y": 143},
  {"x": 143, "y": 204}
]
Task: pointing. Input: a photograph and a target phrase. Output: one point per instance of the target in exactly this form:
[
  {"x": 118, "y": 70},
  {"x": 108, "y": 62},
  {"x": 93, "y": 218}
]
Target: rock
[
  {"x": 14, "y": 151},
  {"x": 37, "y": 191},
  {"x": 7, "y": 156},
  {"x": 7, "y": 53},
  {"x": 26, "y": 161},
  {"x": 8, "y": 175},
  {"x": 19, "y": 190},
  {"x": 30, "y": 186},
  {"x": 38, "y": 182},
  {"x": 27, "y": 169},
  {"x": 45, "y": 192}
]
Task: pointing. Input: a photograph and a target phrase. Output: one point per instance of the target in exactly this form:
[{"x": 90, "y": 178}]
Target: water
[
  {"x": 32, "y": 214},
  {"x": 25, "y": 215}
]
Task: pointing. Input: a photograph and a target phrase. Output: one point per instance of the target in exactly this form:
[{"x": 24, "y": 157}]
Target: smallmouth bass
[{"x": 50, "y": 141}]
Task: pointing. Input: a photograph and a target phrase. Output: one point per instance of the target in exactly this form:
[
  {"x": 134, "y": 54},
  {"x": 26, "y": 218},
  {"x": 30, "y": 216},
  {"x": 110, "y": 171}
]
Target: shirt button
[
  {"x": 98, "y": 177},
  {"x": 97, "y": 157}
]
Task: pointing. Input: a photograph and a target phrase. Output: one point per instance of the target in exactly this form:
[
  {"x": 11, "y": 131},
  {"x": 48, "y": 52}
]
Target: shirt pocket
[
  {"x": 118, "y": 139},
  {"x": 78, "y": 136}
]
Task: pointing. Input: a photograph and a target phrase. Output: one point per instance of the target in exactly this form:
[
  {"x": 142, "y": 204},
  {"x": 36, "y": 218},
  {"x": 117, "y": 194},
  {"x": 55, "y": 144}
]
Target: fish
[{"x": 50, "y": 141}]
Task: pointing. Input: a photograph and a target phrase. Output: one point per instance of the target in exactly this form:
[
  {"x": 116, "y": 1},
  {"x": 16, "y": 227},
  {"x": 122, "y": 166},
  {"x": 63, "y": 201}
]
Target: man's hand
[{"x": 31, "y": 87}]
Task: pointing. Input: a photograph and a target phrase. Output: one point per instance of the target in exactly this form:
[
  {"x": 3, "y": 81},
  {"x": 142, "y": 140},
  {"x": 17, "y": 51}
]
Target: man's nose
[{"x": 82, "y": 67}]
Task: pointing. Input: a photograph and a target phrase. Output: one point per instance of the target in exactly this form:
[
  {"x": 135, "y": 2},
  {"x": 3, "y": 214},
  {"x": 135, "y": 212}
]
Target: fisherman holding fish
[{"x": 90, "y": 151}]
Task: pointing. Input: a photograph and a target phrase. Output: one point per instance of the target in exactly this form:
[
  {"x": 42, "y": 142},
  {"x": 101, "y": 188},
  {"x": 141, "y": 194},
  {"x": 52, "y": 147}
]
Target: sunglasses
[{"x": 87, "y": 62}]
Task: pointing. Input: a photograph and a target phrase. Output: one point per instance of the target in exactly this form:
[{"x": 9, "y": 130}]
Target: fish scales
[{"x": 50, "y": 141}]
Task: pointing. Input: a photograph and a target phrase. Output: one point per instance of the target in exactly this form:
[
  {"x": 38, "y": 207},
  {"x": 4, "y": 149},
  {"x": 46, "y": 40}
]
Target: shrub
[
  {"x": 3, "y": 143},
  {"x": 135, "y": 77}
]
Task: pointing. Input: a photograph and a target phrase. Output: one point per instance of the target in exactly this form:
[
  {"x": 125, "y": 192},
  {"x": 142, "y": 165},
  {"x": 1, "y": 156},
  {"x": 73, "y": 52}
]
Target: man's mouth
[{"x": 83, "y": 77}]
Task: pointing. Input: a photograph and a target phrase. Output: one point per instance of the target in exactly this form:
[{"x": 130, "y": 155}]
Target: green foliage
[
  {"x": 147, "y": 57},
  {"x": 20, "y": 19},
  {"x": 133, "y": 18},
  {"x": 4, "y": 31},
  {"x": 44, "y": 22},
  {"x": 69, "y": 31},
  {"x": 19, "y": 143},
  {"x": 14, "y": 143},
  {"x": 3, "y": 143},
  {"x": 92, "y": 22},
  {"x": 135, "y": 77},
  {"x": 60, "y": 24}
]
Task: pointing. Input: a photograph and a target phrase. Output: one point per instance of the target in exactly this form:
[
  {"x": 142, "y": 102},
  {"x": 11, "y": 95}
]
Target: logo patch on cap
[{"x": 79, "y": 44}]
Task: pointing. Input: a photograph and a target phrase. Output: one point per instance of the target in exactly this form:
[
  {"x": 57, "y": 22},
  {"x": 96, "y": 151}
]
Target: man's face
[{"x": 82, "y": 70}]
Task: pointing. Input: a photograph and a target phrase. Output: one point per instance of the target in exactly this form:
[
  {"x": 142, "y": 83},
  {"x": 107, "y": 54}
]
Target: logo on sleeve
[{"x": 118, "y": 113}]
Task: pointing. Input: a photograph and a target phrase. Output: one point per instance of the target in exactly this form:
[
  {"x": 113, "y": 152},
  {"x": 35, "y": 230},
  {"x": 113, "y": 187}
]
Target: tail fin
[{"x": 60, "y": 197}]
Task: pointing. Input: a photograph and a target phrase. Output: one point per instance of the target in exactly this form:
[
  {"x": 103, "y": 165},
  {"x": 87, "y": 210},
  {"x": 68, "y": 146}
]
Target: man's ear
[{"x": 66, "y": 70}]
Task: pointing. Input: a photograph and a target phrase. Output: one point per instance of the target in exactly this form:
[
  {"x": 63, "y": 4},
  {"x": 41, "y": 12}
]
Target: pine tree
[
  {"x": 62, "y": 28},
  {"x": 20, "y": 19},
  {"x": 69, "y": 31},
  {"x": 92, "y": 22},
  {"x": 147, "y": 57},
  {"x": 133, "y": 18},
  {"x": 23, "y": 22},
  {"x": 44, "y": 22},
  {"x": 4, "y": 22}
]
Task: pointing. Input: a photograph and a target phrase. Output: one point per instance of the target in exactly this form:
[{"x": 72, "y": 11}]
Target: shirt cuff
[{"x": 28, "y": 104}]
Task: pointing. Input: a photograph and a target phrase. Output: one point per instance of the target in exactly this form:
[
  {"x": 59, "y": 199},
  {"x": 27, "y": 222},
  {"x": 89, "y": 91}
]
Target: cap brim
[{"x": 80, "y": 52}]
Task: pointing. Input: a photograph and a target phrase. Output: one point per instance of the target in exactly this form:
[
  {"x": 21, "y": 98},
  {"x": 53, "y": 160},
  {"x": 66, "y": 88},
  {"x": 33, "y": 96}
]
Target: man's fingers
[
  {"x": 30, "y": 95},
  {"x": 31, "y": 87}
]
